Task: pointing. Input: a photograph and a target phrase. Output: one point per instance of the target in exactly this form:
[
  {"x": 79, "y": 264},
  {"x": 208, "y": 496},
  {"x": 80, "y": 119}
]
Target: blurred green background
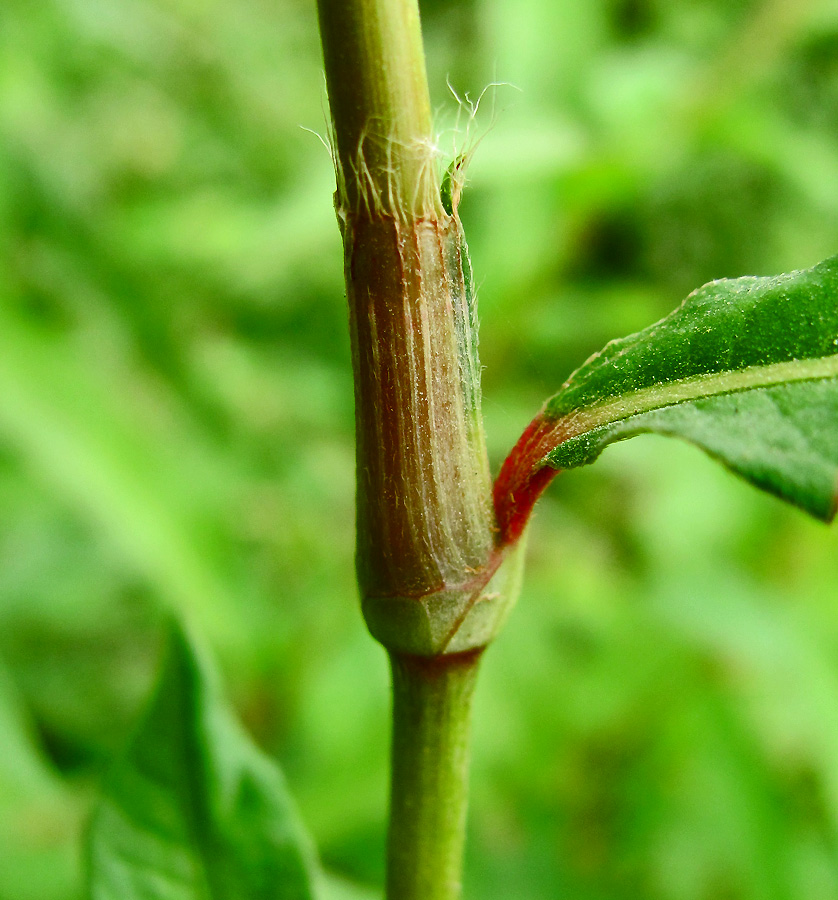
[{"x": 660, "y": 719}]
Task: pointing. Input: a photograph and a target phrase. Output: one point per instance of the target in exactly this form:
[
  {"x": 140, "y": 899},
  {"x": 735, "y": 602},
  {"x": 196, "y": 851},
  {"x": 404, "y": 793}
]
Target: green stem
[
  {"x": 378, "y": 95},
  {"x": 424, "y": 521},
  {"x": 424, "y": 510},
  {"x": 429, "y": 788}
]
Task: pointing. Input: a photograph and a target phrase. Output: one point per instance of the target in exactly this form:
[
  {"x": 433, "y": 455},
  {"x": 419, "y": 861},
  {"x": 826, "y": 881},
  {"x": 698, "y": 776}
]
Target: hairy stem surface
[
  {"x": 378, "y": 95},
  {"x": 425, "y": 524}
]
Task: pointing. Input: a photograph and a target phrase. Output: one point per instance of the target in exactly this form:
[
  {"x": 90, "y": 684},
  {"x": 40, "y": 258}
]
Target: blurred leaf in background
[{"x": 658, "y": 721}]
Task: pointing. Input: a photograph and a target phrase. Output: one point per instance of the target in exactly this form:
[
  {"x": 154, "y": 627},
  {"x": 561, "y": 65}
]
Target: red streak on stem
[
  {"x": 522, "y": 479},
  {"x": 524, "y": 476}
]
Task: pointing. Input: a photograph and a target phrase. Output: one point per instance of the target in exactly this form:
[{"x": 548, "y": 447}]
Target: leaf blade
[
  {"x": 746, "y": 369},
  {"x": 194, "y": 811}
]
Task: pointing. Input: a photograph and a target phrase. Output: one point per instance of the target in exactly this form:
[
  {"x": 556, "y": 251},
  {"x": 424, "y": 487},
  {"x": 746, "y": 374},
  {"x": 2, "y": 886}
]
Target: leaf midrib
[
  {"x": 673, "y": 393},
  {"x": 192, "y": 760}
]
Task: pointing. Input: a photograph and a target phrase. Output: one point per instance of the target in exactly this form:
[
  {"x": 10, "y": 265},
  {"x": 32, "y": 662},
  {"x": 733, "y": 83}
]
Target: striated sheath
[
  {"x": 424, "y": 489},
  {"x": 426, "y": 548}
]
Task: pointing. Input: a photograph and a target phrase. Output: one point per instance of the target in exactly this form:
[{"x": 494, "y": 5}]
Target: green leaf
[
  {"x": 194, "y": 811},
  {"x": 745, "y": 368}
]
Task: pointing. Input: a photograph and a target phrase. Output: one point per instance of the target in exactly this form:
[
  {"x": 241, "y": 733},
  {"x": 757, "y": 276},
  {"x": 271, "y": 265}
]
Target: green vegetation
[
  {"x": 191, "y": 809},
  {"x": 745, "y": 369},
  {"x": 176, "y": 435}
]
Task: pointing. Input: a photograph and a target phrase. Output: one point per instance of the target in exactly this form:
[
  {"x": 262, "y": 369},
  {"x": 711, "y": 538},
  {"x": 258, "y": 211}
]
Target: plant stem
[
  {"x": 378, "y": 95},
  {"x": 425, "y": 523},
  {"x": 429, "y": 787},
  {"x": 424, "y": 509}
]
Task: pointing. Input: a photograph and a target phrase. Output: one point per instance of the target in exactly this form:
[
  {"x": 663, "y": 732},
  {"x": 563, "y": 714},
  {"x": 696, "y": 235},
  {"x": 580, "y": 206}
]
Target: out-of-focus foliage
[
  {"x": 193, "y": 809},
  {"x": 660, "y": 719}
]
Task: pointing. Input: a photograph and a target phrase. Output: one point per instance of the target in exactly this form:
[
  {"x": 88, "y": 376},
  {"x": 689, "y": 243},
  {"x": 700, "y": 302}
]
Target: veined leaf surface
[
  {"x": 745, "y": 368},
  {"x": 194, "y": 811}
]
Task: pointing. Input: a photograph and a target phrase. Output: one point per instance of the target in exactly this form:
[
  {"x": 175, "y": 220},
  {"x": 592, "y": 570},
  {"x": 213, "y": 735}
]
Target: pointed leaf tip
[{"x": 193, "y": 810}]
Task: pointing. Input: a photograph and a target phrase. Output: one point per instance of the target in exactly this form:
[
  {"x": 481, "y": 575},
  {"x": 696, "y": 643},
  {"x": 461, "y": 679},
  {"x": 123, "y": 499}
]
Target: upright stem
[
  {"x": 425, "y": 523},
  {"x": 431, "y": 725},
  {"x": 425, "y": 527},
  {"x": 378, "y": 94}
]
